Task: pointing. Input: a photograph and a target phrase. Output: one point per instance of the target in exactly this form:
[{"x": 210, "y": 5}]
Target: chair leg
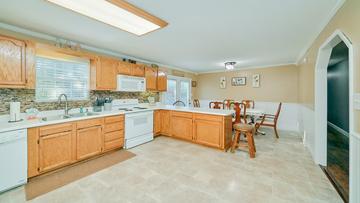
[
  {"x": 251, "y": 144},
  {"x": 235, "y": 141},
  {"x": 253, "y": 141},
  {"x": 276, "y": 132}
]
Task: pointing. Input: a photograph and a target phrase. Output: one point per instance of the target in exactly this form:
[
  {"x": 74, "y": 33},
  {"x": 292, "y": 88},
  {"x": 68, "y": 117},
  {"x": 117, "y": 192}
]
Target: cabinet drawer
[
  {"x": 113, "y": 127},
  {"x": 114, "y": 135},
  {"x": 89, "y": 123},
  {"x": 114, "y": 119},
  {"x": 181, "y": 114},
  {"x": 208, "y": 117},
  {"x": 114, "y": 144},
  {"x": 53, "y": 129}
]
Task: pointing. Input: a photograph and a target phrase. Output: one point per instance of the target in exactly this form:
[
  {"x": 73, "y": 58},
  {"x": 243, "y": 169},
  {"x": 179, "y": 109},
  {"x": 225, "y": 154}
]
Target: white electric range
[{"x": 138, "y": 122}]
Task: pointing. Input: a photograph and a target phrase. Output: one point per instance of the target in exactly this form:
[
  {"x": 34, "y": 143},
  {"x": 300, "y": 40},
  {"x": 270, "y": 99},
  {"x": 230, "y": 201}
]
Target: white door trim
[{"x": 322, "y": 62}]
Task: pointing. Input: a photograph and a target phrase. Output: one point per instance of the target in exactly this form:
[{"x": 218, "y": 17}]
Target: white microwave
[{"x": 130, "y": 84}]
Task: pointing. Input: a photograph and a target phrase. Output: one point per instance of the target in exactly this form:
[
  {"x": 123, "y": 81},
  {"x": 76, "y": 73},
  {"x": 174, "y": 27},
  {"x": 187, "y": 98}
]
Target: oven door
[{"x": 139, "y": 123}]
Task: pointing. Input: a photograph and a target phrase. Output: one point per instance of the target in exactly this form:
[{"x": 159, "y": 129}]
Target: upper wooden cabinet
[
  {"x": 151, "y": 78},
  {"x": 161, "y": 81},
  {"x": 106, "y": 71},
  {"x": 15, "y": 68},
  {"x": 125, "y": 68},
  {"x": 138, "y": 70}
]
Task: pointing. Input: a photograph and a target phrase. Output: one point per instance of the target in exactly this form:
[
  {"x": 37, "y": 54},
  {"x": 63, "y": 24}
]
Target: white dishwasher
[{"x": 13, "y": 159}]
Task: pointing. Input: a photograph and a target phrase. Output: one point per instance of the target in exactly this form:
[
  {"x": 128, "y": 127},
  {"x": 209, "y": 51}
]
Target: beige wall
[
  {"x": 276, "y": 84},
  {"x": 346, "y": 20}
]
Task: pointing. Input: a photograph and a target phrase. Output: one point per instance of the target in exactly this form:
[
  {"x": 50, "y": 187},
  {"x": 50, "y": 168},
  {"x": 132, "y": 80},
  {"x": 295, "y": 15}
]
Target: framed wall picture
[
  {"x": 256, "y": 80},
  {"x": 193, "y": 84},
  {"x": 222, "y": 82},
  {"x": 238, "y": 81}
]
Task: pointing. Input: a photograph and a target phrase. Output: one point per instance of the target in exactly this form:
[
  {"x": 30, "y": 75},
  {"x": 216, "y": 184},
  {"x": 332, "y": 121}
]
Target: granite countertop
[{"x": 6, "y": 126}]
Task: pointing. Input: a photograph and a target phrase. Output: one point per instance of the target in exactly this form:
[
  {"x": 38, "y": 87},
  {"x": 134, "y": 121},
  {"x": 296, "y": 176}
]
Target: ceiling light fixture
[
  {"x": 117, "y": 13},
  {"x": 230, "y": 65}
]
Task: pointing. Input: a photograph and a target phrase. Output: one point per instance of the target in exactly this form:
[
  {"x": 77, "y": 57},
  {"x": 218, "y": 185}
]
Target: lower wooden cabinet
[
  {"x": 157, "y": 122},
  {"x": 165, "y": 122},
  {"x": 88, "y": 142},
  {"x": 55, "y": 150},
  {"x": 208, "y": 132},
  {"x": 54, "y": 146},
  {"x": 182, "y": 125}
]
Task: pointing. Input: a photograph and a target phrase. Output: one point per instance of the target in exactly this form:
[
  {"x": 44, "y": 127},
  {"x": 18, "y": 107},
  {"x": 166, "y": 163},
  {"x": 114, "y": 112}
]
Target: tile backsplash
[{"x": 27, "y": 99}]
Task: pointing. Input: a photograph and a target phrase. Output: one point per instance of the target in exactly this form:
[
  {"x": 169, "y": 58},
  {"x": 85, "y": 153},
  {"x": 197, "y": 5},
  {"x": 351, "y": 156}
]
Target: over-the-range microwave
[{"x": 130, "y": 84}]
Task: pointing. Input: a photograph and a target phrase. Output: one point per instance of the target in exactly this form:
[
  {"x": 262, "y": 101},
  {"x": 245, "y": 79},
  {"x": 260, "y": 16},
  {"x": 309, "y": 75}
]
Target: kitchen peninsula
[{"x": 56, "y": 143}]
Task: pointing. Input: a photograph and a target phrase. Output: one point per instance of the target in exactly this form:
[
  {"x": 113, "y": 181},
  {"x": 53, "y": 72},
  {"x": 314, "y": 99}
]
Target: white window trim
[{"x": 178, "y": 79}]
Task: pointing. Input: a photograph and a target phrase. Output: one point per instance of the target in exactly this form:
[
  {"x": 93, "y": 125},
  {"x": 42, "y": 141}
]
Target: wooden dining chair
[
  {"x": 227, "y": 103},
  {"x": 240, "y": 110},
  {"x": 196, "y": 103},
  {"x": 250, "y": 104},
  {"x": 216, "y": 105},
  {"x": 270, "y": 120},
  {"x": 242, "y": 128}
]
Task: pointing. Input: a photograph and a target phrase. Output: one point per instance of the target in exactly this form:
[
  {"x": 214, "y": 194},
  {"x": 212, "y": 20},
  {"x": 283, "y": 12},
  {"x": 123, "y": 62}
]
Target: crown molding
[{"x": 333, "y": 12}]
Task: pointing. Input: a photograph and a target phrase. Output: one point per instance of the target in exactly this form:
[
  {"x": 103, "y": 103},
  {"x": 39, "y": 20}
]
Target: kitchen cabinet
[
  {"x": 12, "y": 63},
  {"x": 54, "y": 146},
  {"x": 165, "y": 122},
  {"x": 89, "y": 138},
  {"x": 55, "y": 150},
  {"x": 151, "y": 78},
  {"x": 126, "y": 68},
  {"x": 138, "y": 70},
  {"x": 182, "y": 125},
  {"x": 208, "y": 130},
  {"x": 113, "y": 132},
  {"x": 157, "y": 122},
  {"x": 161, "y": 81},
  {"x": 106, "y": 71}
]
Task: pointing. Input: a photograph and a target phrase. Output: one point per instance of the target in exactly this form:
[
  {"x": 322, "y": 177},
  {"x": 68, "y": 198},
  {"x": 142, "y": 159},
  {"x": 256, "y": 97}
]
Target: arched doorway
[{"x": 322, "y": 114}]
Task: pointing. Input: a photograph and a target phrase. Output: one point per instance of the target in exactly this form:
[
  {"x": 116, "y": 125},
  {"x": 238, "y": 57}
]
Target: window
[
  {"x": 178, "y": 89},
  {"x": 55, "y": 76}
]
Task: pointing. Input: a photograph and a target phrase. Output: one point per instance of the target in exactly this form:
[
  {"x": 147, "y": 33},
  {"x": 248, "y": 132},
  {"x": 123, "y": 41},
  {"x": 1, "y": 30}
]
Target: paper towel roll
[{"x": 14, "y": 111}]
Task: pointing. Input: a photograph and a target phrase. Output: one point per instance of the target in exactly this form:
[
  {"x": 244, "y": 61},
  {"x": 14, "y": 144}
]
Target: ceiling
[{"x": 201, "y": 34}]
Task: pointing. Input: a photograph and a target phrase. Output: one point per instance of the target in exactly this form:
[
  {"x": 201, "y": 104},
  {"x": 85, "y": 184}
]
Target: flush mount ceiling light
[
  {"x": 230, "y": 65},
  {"x": 117, "y": 13}
]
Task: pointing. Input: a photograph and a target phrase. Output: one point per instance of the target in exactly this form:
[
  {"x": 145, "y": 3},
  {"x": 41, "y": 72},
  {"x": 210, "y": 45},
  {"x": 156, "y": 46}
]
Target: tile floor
[{"x": 169, "y": 170}]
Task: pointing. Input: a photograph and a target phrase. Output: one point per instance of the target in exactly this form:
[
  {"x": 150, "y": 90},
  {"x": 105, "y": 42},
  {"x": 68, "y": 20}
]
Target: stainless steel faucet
[
  {"x": 179, "y": 101},
  {"x": 66, "y": 103}
]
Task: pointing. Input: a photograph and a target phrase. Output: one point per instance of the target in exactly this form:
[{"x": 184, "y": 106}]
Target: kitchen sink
[
  {"x": 54, "y": 118},
  {"x": 75, "y": 115}
]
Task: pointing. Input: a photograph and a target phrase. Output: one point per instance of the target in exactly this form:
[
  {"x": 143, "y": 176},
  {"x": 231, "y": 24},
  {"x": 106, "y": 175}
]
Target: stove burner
[{"x": 125, "y": 109}]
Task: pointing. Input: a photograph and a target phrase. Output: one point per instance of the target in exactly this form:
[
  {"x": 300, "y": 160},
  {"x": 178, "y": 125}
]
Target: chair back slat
[
  {"x": 238, "y": 107},
  {"x": 227, "y": 103},
  {"x": 216, "y": 105},
  {"x": 250, "y": 104},
  {"x": 278, "y": 112},
  {"x": 196, "y": 103}
]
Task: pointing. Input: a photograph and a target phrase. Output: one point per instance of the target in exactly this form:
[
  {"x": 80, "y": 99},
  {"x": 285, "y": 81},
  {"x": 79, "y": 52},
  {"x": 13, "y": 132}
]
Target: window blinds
[{"x": 56, "y": 76}]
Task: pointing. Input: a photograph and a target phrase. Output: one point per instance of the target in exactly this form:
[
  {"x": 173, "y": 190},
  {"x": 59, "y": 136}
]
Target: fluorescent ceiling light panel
[{"x": 117, "y": 13}]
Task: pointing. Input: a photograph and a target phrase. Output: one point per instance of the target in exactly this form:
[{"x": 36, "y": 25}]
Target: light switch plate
[{"x": 357, "y": 101}]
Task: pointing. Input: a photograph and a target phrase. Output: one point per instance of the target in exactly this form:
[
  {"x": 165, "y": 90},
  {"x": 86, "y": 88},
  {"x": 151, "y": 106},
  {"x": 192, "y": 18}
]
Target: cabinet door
[
  {"x": 88, "y": 142},
  {"x": 138, "y": 70},
  {"x": 12, "y": 62},
  {"x": 161, "y": 81},
  {"x": 55, "y": 151},
  {"x": 157, "y": 122},
  {"x": 208, "y": 132},
  {"x": 151, "y": 78},
  {"x": 106, "y": 73},
  {"x": 181, "y": 127},
  {"x": 124, "y": 68},
  {"x": 165, "y": 122}
]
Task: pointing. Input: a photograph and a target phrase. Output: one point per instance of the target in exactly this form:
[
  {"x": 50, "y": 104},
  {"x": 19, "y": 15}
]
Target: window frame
[
  {"x": 68, "y": 58},
  {"x": 178, "y": 87}
]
